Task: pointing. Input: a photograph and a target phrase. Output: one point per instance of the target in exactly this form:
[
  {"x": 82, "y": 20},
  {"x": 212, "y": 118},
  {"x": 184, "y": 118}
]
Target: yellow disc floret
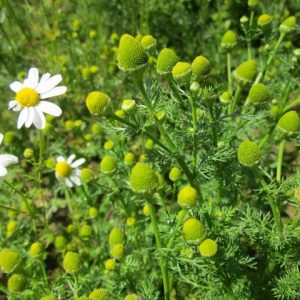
[
  {"x": 193, "y": 231},
  {"x": 99, "y": 294},
  {"x": 289, "y": 123},
  {"x": 71, "y": 262},
  {"x": 116, "y": 236},
  {"x": 246, "y": 71},
  {"x": 249, "y": 153},
  {"x": 187, "y": 197},
  {"x": 200, "y": 68},
  {"x": 63, "y": 169},
  {"x": 208, "y": 248},
  {"x": 16, "y": 283},
  {"x": 9, "y": 260},
  {"x": 27, "y": 97},
  {"x": 166, "y": 60},
  {"x": 97, "y": 103},
  {"x": 182, "y": 72}
]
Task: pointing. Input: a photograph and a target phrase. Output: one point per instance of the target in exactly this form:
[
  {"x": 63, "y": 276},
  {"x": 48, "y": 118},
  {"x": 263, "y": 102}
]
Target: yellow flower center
[
  {"x": 63, "y": 169},
  {"x": 27, "y": 97}
]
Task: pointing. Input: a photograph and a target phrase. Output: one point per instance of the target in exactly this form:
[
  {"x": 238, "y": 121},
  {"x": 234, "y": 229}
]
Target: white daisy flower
[
  {"x": 67, "y": 170},
  {"x": 30, "y": 95},
  {"x": 6, "y": 160}
]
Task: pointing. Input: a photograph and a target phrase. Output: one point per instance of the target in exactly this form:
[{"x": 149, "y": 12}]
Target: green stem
[
  {"x": 43, "y": 271},
  {"x": 173, "y": 235},
  {"x": 40, "y": 168},
  {"x": 12, "y": 209},
  {"x": 279, "y": 160},
  {"x": 194, "y": 120},
  {"x": 229, "y": 78},
  {"x": 233, "y": 104},
  {"x": 163, "y": 264}
]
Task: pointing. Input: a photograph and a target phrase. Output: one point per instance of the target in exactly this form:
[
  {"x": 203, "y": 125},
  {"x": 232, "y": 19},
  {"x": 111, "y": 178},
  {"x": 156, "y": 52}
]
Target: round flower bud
[
  {"x": 97, "y": 103},
  {"x": 208, "y": 248},
  {"x": 130, "y": 221},
  {"x": 110, "y": 264},
  {"x": 146, "y": 210},
  {"x": 85, "y": 230},
  {"x": 249, "y": 153},
  {"x": 116, "y": 236},
  {"x": 120, "y": 113},
  {"x": 49, "y": 297},
  {"x": 148, "y": 42},
  {"x": 194, "y": 87},
  {"x": 175, "y": 174},
  {"x": 93, "y": 212},
  {"x": 160, "y": 114},
  {"x": 9, "y": 260},
  {"x": 246, "y": 71},
  {"x": 11, "y": 227},
  {"x": 99, "y": 294},
  {"x": 69, "y": 125},
  {"x": 225, "y": 98},
  {"x": 16, "y": 283},
  {"x": 149, "y": 144},
  {"x": 258, "y": 93},
  {"x": 289, "y": 123},
  {"x": 94, "y": 69},
  {"x": 143, "y": 179},
  {"x": 287, "y": 25},
  {"x": 50, "y": 163},
  {"x": 166, "y": 60},
  {"x": 87, "y": 174},
  {"x": 28, "y": 153},
  {"x": 229, "y": 40},
  {"x": 117, "y": 251},
  {"x": 132, "y": 297},
  {"x": 200, "y": 68},
  {"x": 182, "y": 72},
  {"x": 131, "y": 55},
  {"x": 70, "y": 228},
  {"x": 264, "y": 20},
  {"x": 128, "y": 105},
  {"x": 96, "y": 128},
  {"x": 60, "y": 242},
  {"x": 9, "y": 138},
  {"x": 129, "y": 159},
  {"x": 187, "y": 252},
  {"x": 78, "y": 123},
  {"x": 193, "y": 231},
  {"x": 71, "y": 262},
  {"x": 244, "y": 19},
  {"x": 36, "y": 249},
  {"x": 252, "y": 3},
  {"x": 187, "y": 197},
  {"x": 108, "y": 164},
  {"x": 109, "y": 145}
]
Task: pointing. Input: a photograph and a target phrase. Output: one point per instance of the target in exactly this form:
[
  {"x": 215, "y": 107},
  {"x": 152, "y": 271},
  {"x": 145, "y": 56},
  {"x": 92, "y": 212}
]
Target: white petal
[
  {"x": 12, "y": 104},
  {"x": 71, "y": 158},
  {"x": 44, "y": 78},
  {"x": 39, "y": 120},
  {"x": 16, "y": 86},
  {"x": 68, "y": 182},
  {"x": 1, "y": 138},
  {"x": 47, "y": 85},
  {"x": 3, "y": 171},
  {"x": 17, "y": 108},
  {"x": 49, "y": 108},
  {"x": 78, "y": 163},
  {"x": 60, "y": 158},
  {"x": 76, "y": 180},
  {"x": 8, "y": 159},
  {"x": 59, "y": 90},
  {"x": 23, "y": 116},
  {"x": 33, "y": 77},
  {"x": 29, "y": 120}
]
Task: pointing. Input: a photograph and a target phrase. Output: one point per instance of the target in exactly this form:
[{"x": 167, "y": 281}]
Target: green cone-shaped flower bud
[
  {"x": 182, "y": 72},
  {"x": 49, "y": 297},
  {"x": 264, "y": 20},
  {"x": 36, "y": 249},
  {"x": 99, "y": 294},
  {"x": 117, "y": 251},
  {"x": 132, "y": 297},
  {"x": 116, "y": 236},
  {"x": 193, "y": 231},
  {"x": 258, "y": 93},
  {"x": 288, "y": 24},
  {"x": 16, "y": 283},
  {"x": 175, "y": 174},
  {"x": 200, "y": 68},
  {"x": 229, "y": 40},
  {"x": 131, "y": 55},
  {"x": 129, "y": 159},
  {"x": 9, "y": 260},
  {"x": 71, "y": 262},
  {"x": 208, "y": 248},
  {"x": 166, "y": 60},
  {"x": 148, "y": 42},
  {"x": 143, "y": 179},
  {"x": 249, "y": 153},
  {"x": 97, "y": 103},
  {"x": 246, "y": 71},
  {"x": 108, "y": 164},
  {"x": 187, "y": 197},
  {"x": 225, "y": 98},
  {"x": 289, "y": 123},
  {"x": 85, "y": 230}
]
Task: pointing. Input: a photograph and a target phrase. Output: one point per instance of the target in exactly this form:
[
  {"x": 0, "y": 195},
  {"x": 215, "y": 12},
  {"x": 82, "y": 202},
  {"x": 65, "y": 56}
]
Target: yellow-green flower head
[
  {"x": 108, "y": 164},
  {"x": 69, "y": 125},
  {"x": 93, "y": 212},
  {"x": 166, "y": 60},
  {"x": 246, "y": 71},
  {"x": 132, "y": 297},
  {"x": 16, "y": 283},
  {"x": 131, "y": 55},
  {"x": 148, "y": 42},
  {"x": 143, "y": 179},
  {"x": 92, "y": 34},
  {"x": 9, "y": 260},
  {"x": 9, "y": 138},
  {"x": 244, "y": 19},
  {"x": 195, "y": 87},
  {"x": 28, "y": 153},
  {"x": 97, "y": 103},
  {"x": 249, "y": 153},
  {"x": 85, "y": 230},
  {"x": 128, "y": 105},
  {"x": 187, "y": 197},
  {"x": 110, "y": 264},
  {"x": 99, "y": 294},
  {"x": 259, "y": 93},
  {"x": 182, "y": 73},
  {"x": 229, "y": 40},
  {"x": 187, "y": 252},
  {"x": 11, "y": 227},
  {"x": 252, "y": 3},
  {"x": 71, "y": 262},
  {"x": 116, "y": 236},
  {"x": 264, "y": 20},
  {"x": 48, "y": 297},
  {"x": 96, "y": 128},
  {"x": 146, "y": 210},
  {"x": 60, "y": 242},
  {"x": 289, "y": 123},
  {"x": 225, "y": 98},
  {"x": 120, "y": 113},
  {"x": 130, "y": 221},
  {"x": 287, "y": 25},
  {"x": 50, "y": 163},
  {"x": 36, "y": 249},
  {"x": 149, "y": 144},
  {"x": 193, "y": 231},
  {"x": 70, "y": 228},
  {"x": 175, "y": 174},
  {"x": 200, "y": 68},
  {"x": 117, "y": 251},
  {"x": 129, "y": 159},
  {"x": 108, "y": 145},
  {"x": 87, "y": 174},
  {"x": 208, "y": 248},
  {"x": 94, "y": 69}
]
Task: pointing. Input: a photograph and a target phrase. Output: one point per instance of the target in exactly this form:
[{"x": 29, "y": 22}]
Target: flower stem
[
  {"x": 232, "y": 105},
  {"x": 279, "y": 160},
  {"x": 173, "y": 235},
  {"x": 229, "y": 78}
]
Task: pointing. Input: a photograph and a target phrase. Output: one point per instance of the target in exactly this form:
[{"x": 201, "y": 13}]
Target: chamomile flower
[
  {"x": 30, "y": 95},
  {"x": 67, "y": 170},
  {"x": 6, "y": 160}
]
